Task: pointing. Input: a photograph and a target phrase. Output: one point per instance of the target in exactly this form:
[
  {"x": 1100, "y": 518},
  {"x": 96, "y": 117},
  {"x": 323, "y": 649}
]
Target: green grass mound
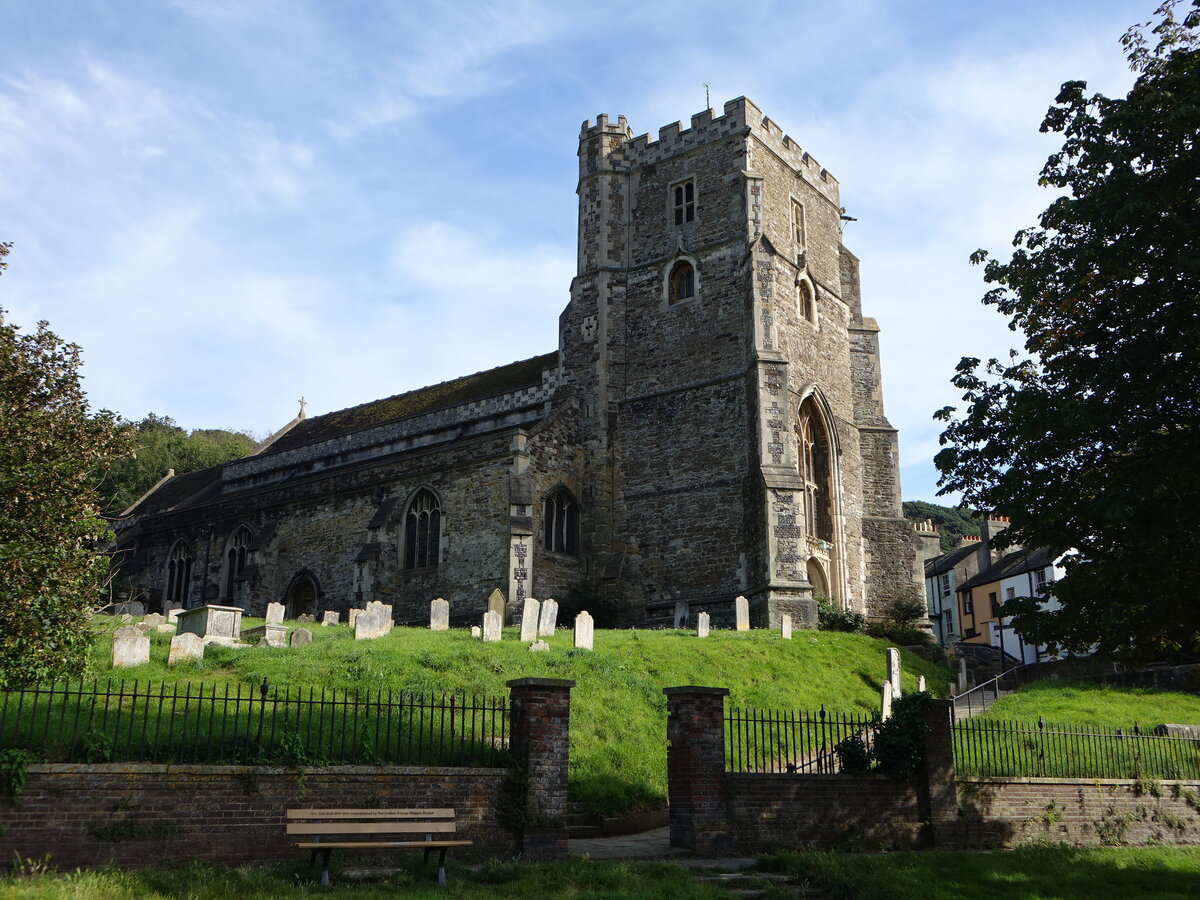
[
  {"x": 1073, "y": 702},
  {"x": 618, "y": 711}
]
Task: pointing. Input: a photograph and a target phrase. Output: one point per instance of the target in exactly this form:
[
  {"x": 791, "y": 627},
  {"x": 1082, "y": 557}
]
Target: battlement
[{"x": 740, "y": 116}]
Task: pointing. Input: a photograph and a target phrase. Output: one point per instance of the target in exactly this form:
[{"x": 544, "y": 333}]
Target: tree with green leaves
[
  {"x": 953, "y": 523},
  {"x": 51, "y": 567},
  {"x": 1091, "y": 441}
]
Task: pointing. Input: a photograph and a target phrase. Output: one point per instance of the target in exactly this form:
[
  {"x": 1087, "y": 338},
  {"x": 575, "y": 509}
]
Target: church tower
[{"x": 727, "y": 383}]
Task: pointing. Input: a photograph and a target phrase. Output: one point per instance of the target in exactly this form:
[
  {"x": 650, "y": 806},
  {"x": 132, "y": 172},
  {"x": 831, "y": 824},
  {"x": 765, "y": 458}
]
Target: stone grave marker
[
  {"x": 184, "y": 647},
  {"x": 529, "y": 620},
  {"x": 439, "y": 615},
  {"x": 275, "y": 613},
  {"x": 301, "y": 637},
  {"x": 548, "y": 619},
  {"x": 373, "y": 622},
  {"x": 130, "y": 647},
  {"x": 173, "y": 614},
  {"x": 476, "y": 631},
  {"x": 741, "y": 609},
  {"x": 920, "y": 683},
  {"x": 584, "y": 631},
  {"x": 885, "y": 701},
  {"x": 221, "y": 624},
  {"x": 962, "y": 675},
  {"x": 166, "y": 628},
  {"x": 702, "y": 626},
  {"x": 352, "y": 615},
  {"x": 893, "y": 670},
  {"x": 305, "y": 619},
  {"x": 492, "y": 621},
  {"x": 154, "y": 620},
  {"x": 269, "y": 633},
  {"x": 331, "y": 617},
  {"x": 785, "y": 626},
  {"x": 539, "y": 646},
  {"x": 682, "y": 614},
  {"x": 496, "y": 603}
]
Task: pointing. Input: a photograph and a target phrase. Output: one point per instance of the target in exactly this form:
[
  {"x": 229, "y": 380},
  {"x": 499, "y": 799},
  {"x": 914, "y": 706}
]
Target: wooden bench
[{"x": 432, "y": 824}]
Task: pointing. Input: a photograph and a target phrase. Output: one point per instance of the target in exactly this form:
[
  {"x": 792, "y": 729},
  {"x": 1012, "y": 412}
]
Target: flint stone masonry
[
  {"x": 702, "y": 626},
  {"x": 492, "y": 622},
  {"x": 130, "y": 647},
  {"x": 185, "y": 647},
  {"x": 275, "y": 613},
  {"x": 529, "y": 620},
  {"x": 439, "y": 615},
  {"x": 585, "y": 631}
]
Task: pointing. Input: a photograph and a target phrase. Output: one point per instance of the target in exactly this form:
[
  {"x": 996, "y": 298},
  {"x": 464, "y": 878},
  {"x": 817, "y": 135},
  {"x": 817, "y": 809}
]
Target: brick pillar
[
  {"x": 940, "y": 788},
  {"x": 541, "y": 720},
  {"x": 696, "y": 769}
]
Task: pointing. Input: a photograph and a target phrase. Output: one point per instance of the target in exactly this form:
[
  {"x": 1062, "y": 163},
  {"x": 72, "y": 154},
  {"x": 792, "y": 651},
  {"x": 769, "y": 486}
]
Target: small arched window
[
  {"x": 682, "y": 282},
  {"x": 805, "y": 302},
  {"x": 235, "y": 562},
  {"x": 422, "y": 531},
  {"x": 179, "y": 573},
  {"x": 561, "y": 522}
]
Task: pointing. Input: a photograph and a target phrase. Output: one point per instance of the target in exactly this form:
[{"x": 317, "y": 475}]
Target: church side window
[
  {"x": 684, "y": 201},
  {"x": 815, "y": 473},
  {"x": 804, "y": 302},
  {"x": 235, "y": 562},
  {"x": 682, "y": 282},
  {"x": 798, "y": 224},
  {"x": 179, "y": 573},
  {"x": 561, "y": 523},
  {"x": 422, "y": 531}
]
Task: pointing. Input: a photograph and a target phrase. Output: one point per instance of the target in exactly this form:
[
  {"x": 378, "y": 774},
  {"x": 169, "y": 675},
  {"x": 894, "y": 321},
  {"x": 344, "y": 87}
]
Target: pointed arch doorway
[{"x": 301, "y": 597}]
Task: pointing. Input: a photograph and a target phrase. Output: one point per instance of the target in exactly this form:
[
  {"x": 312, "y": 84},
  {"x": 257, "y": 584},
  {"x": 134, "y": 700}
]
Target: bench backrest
[{"x": 428, "y": 822}]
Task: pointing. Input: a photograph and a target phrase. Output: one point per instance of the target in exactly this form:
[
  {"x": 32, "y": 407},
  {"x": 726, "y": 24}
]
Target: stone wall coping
[
  {"x": 692, "y": 689},
  {"x": 540, "y": 682},
  {"x": 1015, "y": 779},
  {"x": 129, "y": 768}
]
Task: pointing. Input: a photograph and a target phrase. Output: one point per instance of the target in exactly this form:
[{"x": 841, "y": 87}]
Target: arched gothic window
[
  {"x": 805, "y": 303},
  {"x": 422, "y": 531},
  {"x": 235, "y": 562},
  {"x": 179, "y": 573},
  {"x": 681, "y": 284},
  {"x": 560, "y": 516},
  {"x": 815, "y": 472}
]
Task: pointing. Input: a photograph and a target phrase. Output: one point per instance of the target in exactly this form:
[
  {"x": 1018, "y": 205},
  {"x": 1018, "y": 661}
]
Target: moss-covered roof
[{"x": 514, "y": 376}]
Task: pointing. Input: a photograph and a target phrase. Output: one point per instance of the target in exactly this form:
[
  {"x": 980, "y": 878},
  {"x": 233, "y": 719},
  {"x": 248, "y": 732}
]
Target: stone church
[{"x": 711, "y": 424}]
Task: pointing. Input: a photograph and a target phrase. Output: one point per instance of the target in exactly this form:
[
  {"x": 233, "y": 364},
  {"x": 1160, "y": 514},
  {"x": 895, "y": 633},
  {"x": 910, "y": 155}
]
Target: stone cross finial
[{"x": 303, "y": 403}]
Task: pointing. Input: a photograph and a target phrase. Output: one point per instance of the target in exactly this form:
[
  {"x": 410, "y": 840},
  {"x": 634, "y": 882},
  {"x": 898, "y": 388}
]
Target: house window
[
  {"x": 179, "y": 573},
  {"x": 235, "y": 562},
  {"x": 422, "y": 531},
  {"x": 682, "y": 282},
  {"x": 945, "y": 582},
  {"x": 684, "y": 201},
  {"x": 994, "y": 604},
  {"x": 804, "y": 302},
  {"x": 798, "y": 224},
  {"x": 968, "y": 604},
  {"x": 561, "y": 523},
  {"x": 1039, "y": 578},
  {"x": 1009, "y": 594}
]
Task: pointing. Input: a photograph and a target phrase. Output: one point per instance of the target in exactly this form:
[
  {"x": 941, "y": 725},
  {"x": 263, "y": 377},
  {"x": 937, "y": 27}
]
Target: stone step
[{"x": 584, "y": 832}]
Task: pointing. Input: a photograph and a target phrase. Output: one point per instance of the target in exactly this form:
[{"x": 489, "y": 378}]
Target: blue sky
[{"x": 230, "y": 205}]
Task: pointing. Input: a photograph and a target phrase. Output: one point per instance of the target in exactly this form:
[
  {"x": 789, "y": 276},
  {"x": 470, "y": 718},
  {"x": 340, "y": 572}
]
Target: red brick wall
[{"x": 137, "y": 814}]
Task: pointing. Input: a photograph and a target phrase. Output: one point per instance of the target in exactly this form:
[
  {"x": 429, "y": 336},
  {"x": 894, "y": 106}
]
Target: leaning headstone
[
  {"x": 702, "y": 625},
  {"x": 529, "y": 620},
  {"x": 301, "y": 637},
  {"x": 539, "y": 646},
  {"x": 548, "y": 619},
  {"x": 584, "y": 631},
  {"x": 920, "y": 684},
  {"x": 439, "y": 615},
  {"x": 885, "y": 701},
  {"x": 130, "y": 647},
  {"x": 496, "y": 603},
  {"x": 492, "y": 621},
  {"x": 682, "y": 614},
  {"x": 476, "y": 631},
  {"x": 373, "y": 622},
  {"x": 893, "y": 670},
  {"x": 153, "y": 620},
  {"x": 184, "y": 647},
  {"x": 331, "y": 617},
  {"x": 305, "y": 619},
  {"x": 268, "y": 633},
  {"x": 352, "y": 615},
  {"x": 962, "y": 675},
  {"x": 275, "y": 613},
  {"x": 741, "y": 609},
  {"x": 785, "y": 627}
]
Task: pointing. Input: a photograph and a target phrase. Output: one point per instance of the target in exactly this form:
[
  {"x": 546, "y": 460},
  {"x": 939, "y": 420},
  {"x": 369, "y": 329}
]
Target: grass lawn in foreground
[
  {"x": 1076, "y": 702},
  {"x": 618, "y": 711}
]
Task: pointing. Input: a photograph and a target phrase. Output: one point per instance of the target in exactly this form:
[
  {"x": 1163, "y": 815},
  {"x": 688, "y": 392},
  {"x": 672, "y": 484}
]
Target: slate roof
[
  {"x": 947, "y": 561},
  {"x": 1018, "y": 562}
]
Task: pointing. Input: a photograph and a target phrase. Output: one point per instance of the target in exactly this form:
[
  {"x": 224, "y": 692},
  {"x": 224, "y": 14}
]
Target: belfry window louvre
[
  {"x": 684, "y": 202},
  {"x": 561, "y": 523}
]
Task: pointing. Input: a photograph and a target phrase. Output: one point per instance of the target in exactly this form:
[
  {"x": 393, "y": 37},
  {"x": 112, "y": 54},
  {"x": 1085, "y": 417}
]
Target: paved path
[{"x": 654, "y": 844}]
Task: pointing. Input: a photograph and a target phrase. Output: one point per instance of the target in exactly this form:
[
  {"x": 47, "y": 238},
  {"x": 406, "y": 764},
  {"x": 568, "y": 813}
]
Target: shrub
[{"x": 831, "y": 617}]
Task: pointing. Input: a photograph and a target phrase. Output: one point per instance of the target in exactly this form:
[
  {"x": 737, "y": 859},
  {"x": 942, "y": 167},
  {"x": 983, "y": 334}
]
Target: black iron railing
[
  {"x": 994, "y": 748},
  {"x": 239, "y": 723},
  {"x": 761, "y": 740}
]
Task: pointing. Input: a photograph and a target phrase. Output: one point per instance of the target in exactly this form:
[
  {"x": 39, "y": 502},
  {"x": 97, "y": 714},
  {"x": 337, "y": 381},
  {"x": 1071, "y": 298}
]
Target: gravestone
[
  {"x": 885, "y": 701},
  {"x": 539, "y": 646},
  {"x": 220, "y": 624},
  {"x": 741, "y": 609},
  {"x": 352, "y": 615},
  {"x": 268, "y": 633},
  {"x": 476, "y": 631},
  {"x": 331, "y": 617},
  {"x": 439, "y": 615},
  {"x": 184, "y": 647},
  {"x": 301, "y": 637},
  {"x": 275, "y": 613},
  {"x": 785, "y": 626},
  {"x": 921, "y": 684},
  {"x": 893, "y": 670},
  {"x": 702, "y": 625},
  {"x": 584, "y": 631},
  {"x": 130, "y": 647},
  {"x": 173, "y": 614},
  {"x": 127, "y": 608},
  {"x": 169, "y": 606},
  {"x": 548, "y": 620},
  {"x": 305, "y": 619},
  {"x": 496, "y": 603},
  {"x": 373, "y": 622},
  {"x": 529, "y": 620},
  {"x": 166, "y": 628},
  {"x": 154, "y": 620},
  {"x": 682, "y": 614},
  {"x": 492, "y": 621}
]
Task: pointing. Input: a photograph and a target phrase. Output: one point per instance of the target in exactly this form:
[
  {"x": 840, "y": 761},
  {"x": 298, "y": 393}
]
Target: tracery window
[
  {"x": 179, "y": 572},
  {"x": 684, "y": 197},
  {"x": 815, "y": 473},
  {"x": 561, "y": 523},
  {"x": 235, "y": 562},
  {"x": 681, "y": 284},
  {"x": 422, "y": 531}
]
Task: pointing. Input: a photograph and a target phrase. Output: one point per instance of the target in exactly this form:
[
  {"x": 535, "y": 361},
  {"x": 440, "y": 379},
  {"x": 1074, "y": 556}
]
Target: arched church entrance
[
  {"x": 301, "y": 597},
  {"x": 816, "y": 577}
]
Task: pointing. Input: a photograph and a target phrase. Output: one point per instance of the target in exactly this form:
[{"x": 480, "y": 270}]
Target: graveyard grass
[
  {"x": 1073, "y": 702},
  {"x": 618, "y": 711}
]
